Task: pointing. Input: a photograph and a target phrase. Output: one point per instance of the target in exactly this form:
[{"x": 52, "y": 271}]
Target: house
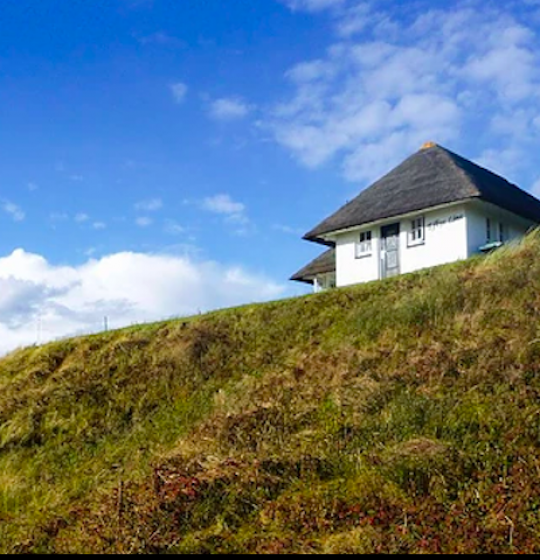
[{"x": 435, "y": 208}]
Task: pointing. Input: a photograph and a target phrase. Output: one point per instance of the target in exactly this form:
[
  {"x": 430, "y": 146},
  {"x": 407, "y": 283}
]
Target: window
[
  {"x": 488, "y": 230},
  {"x": 502, "y": 233},
  {"x": 417, "y": 235},
  {"x": 364, "y": 247}
]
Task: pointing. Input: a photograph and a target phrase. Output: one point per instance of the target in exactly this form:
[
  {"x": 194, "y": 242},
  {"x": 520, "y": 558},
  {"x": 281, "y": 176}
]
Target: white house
[{"x": 434, "y": 208}]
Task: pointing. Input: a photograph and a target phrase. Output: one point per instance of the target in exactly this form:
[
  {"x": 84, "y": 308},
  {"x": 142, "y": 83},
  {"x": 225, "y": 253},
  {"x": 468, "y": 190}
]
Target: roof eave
[
  {"x": 319, "y": 240},
  {"x": 303, "y": 280},
  {"x": 383, "y": 220}
]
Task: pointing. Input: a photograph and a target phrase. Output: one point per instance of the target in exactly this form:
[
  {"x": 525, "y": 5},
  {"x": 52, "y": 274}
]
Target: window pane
[
  {"x": 365, "y": 242},
  {"x": 417, "y": 230}
]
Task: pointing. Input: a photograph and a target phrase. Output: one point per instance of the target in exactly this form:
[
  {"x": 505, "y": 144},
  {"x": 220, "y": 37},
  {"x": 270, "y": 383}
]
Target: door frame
[{"x": 382, "y": 258}]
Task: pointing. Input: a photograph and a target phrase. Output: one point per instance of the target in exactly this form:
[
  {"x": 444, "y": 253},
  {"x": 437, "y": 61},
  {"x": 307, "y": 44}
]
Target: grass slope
[{"x": 399, "y": 416}]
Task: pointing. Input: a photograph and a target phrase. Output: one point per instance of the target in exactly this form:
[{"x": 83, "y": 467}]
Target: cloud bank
[
  {"x": 466, "y": 75},
  {"x": 40, "y": 301}
]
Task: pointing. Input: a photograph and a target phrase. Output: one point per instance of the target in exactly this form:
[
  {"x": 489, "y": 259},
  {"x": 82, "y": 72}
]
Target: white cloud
[
  {"x": 42, "y": 300},
  {"x": 179, "y": 92},
  {"x": 152, "y": 205},
  {"x": 510, "y": 71},
  {"x": 288, "y": 230},
  {"x": 31, "y": 186},
  {"x": 223, "y": 204},
  {"x": 504, "y": 161},
  {"x": 234, "y": 212},
  {"x": 228, "y": 109},
  {"x": 358, "y": 18},
  {"x": 81, "y": 218},
  {"x": 310, "y": 71},
  {"x": 387, "y": 84},
  {"x": 59, "y": 217},
  {"x": 144, "y": 222},
  {"x": 99, "y": 226},
  {"x": 173, "y": 228},
  {"x": 314, "y": 5},
  {"x": 14, "y": 211}
]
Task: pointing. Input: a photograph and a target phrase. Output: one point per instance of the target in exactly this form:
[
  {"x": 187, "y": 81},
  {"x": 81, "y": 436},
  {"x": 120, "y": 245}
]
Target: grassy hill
[{"x": 399, "y": 416}]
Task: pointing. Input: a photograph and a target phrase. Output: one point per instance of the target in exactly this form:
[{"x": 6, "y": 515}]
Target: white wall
[
  {"x": 477, "y": 213},
  {"x": 349, "y": 269},
  {"x": 445, "y": 241}
]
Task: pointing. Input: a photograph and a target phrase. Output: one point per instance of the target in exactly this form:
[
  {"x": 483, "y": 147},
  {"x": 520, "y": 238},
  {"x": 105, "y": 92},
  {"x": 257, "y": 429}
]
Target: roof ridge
[{"x": 452, "y": 156}]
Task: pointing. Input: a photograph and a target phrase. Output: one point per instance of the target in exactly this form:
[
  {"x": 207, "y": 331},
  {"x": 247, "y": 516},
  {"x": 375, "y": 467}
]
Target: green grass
[{"x": 399, "y": 416}]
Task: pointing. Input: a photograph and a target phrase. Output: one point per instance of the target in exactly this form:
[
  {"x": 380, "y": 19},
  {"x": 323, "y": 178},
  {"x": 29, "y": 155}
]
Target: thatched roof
[
  {"x": 322, "y": 264},
  {"x": 431, "y": 177}
]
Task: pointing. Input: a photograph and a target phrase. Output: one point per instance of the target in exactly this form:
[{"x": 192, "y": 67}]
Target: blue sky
[{"x": 164, "y": 157}]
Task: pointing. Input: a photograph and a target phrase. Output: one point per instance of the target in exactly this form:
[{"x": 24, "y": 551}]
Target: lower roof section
[{"x": 323, "y": 264}]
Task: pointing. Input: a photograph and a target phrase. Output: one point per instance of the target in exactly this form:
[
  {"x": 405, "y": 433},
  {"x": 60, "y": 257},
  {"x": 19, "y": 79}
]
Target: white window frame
[
  {"x": 364, "y": 246},
  {"x": 417, "y": 232}
]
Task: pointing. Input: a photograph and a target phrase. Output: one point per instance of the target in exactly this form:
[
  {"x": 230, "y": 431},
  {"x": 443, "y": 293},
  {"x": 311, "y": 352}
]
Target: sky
[{"x": 162, "y": 158}]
